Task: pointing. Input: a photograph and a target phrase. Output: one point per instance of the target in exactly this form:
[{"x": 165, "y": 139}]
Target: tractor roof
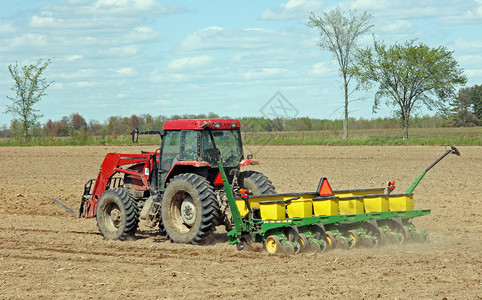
[{"x": 200, "y": 124}]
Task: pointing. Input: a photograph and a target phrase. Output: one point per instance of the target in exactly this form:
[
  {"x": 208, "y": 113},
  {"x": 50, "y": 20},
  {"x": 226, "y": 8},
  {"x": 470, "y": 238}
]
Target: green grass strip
[{"x": 418, "y": 136}]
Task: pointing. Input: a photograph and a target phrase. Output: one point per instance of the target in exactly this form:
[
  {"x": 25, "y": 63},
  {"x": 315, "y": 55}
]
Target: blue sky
[{"x": 120, "y": 57}]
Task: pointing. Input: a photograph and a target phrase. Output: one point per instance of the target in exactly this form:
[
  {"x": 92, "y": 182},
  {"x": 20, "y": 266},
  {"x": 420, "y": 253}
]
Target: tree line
[{"x": 76, "y": 125}]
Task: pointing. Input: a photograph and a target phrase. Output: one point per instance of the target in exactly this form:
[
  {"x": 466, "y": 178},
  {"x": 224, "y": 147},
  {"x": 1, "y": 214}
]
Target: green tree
[
  {"x": 476, "y": 99},
  {"x": 96, "y": 128},
  {"x": 78, "y": 122},
  {"x": 135, "y": 122},
  {"x": 16, "y": 128},
  {"x": 463, "y": 107},
  {"x": 408, "y": 76},
  {"x": 212, "y": 115},
  {"x": 339, "y": 34},
  {"x": 29, "y": 88},
  {"x": 256, "y": 124},
  {"x": 304, "y": 124}
]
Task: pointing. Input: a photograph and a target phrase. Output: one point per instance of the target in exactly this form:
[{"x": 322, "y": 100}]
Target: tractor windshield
[{"x": 228, "y": 142}]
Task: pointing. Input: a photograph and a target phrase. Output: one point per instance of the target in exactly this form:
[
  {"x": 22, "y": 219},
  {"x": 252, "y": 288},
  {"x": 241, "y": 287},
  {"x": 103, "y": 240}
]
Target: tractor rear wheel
[
  {"x": 257, "y": 183},
  {"x": 189, "y": 209},
  {"x": 117, "y": 214}
]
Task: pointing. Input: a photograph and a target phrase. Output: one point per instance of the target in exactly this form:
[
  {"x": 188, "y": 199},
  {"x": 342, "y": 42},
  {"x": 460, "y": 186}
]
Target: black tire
[
  {"x": 289, "y": 249},
  {"x": 117, "y": 214},
  {"x": 381, "y": 236},
  {"x": 189, "y": 209},
  {"x": 353, "y": 234},
  {"x": 330, "y": 240},
  {"x": 257, "y": 183},
  {"x": 343, "y": 244}
]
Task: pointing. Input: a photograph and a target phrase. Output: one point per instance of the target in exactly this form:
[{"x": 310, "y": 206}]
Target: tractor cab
[{"x": 187, "y": 147}]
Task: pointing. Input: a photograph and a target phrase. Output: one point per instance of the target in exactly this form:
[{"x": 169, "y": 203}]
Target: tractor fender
[
  {"x": 179, "y": 167},
  {"x": 248, "y": 162}
]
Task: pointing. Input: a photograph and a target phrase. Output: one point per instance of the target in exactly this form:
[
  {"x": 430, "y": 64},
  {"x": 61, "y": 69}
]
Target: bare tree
[
  {"x": 339, "y": 34},
  {"x": 29, "y": 88}
]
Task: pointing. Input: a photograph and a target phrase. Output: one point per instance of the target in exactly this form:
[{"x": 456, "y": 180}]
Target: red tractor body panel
[
  {"x": 248, "y": 162},
  {"x": 198, "y": 124},
  {"x": 178, "y": 166},
  {"x": 110, "y": 166}
]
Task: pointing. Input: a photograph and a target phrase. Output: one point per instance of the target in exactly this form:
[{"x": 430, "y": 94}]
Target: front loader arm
[{"x": 110, "y": 166}]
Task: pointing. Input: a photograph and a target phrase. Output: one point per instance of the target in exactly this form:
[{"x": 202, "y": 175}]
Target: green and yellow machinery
[{"x": 325, "y": 219}]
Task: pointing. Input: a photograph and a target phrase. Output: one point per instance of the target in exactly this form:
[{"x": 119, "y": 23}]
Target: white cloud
[
  {"x": 101, "y": 29},
  {"x": 473, "y": 15},
  {"x": 465, "y": 46},
  {"x": 28, "y": 40},
  {"x": 445, "y": 11},
  {"x": 218, "y": 38},
  {"x": 371, "y": 5},
  {"x": 80, "y": 74},
  {"x": 126, "y": 72},
  {"x": 320, "y": 69},
  {"x": 142, "y": 34},
  {"x": 473, "y": 73},
  {"x": 190, "y": 62},
  {"x": 164, "y": 77},
  {"x": 397, "y": 26},
  {"x": 293, "y": 9},
  {"x": 7, "y": 28},
  {"x": 83, "y": 84},
  {"x": 44, "y": 21},
  {"x": 73, "y": 57},
  {"x": 123, "y": 51},
  {"x": 265, "y": 73},
  {"x": 129, "y": 6},
  {"x": 57, "y": 85},
  {"x": 473, "y": 61},
  {"x": 162, "y": 102}
]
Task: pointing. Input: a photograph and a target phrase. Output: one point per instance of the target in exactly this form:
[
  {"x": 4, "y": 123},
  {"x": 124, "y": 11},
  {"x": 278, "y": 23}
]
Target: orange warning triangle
[
  {"x": 218, "y": 180},
  {"x": 324, "y": 188}
]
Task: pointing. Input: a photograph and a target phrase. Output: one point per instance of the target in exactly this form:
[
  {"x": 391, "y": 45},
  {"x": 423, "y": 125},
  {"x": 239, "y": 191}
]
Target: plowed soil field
[{"x": 46, "y": 253}]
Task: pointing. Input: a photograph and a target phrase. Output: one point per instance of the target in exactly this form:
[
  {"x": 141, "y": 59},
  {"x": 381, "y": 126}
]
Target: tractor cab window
[
  {"x": 188, "y": 149},
  {"x": 170, "y": 149},
  {"x": 227, "y": 141}
]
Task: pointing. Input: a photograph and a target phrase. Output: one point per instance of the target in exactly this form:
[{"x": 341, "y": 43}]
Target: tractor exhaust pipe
[{"x": 452, "y": 150}]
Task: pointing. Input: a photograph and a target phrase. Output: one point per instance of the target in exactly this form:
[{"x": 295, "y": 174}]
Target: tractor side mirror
[{"x": 135, "y": 135}]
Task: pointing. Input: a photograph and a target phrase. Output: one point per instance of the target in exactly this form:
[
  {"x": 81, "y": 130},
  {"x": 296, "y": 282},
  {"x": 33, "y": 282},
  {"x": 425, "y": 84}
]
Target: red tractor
[{"x": 177, "y": 187}]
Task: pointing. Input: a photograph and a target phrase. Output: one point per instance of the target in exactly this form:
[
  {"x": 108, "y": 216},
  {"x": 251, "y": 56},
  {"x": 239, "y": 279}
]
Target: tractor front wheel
[
  {"x": 117, "y": 214},
  {"x": 189, "y": 209}
]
